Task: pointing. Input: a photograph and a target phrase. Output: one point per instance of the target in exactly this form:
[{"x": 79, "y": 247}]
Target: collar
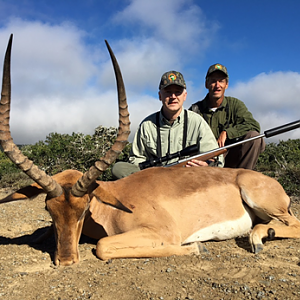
[
  {"x": 164, "y": 121},
  {"x": 206, "y": 103}
]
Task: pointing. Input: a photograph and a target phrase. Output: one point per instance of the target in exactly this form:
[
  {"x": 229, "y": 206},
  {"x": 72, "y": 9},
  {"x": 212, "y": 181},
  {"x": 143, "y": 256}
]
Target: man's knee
[
  {"x": 251, "y": 134},
  {"x": 123, "y": 169},
  {"x": 245, "y": 155},
  {"x": 258, "y": 143}
]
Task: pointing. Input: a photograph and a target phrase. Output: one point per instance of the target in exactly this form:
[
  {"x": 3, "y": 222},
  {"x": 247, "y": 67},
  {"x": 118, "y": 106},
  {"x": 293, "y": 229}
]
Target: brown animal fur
[{"x": 154, "y": 212}]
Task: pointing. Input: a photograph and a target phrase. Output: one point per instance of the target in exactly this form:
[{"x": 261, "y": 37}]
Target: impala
[{"x": 155, "y": 212}]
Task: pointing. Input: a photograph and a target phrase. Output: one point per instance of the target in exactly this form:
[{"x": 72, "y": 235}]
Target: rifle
[
  {"x": 215, "y": 152},
  {"x": 188, "y": 151}
]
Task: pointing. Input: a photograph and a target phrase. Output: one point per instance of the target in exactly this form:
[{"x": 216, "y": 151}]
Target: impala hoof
[
  {"x": 271, "y": 234},
  {"x": 258, "y": 248},
  {"x": 202, "y": 248}
]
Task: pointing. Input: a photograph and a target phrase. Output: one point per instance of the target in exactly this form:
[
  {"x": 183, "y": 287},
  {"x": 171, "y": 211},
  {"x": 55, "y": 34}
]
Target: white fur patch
[
  {"x": 248, "y": 200},
  {"x": 222, "y": 231}
]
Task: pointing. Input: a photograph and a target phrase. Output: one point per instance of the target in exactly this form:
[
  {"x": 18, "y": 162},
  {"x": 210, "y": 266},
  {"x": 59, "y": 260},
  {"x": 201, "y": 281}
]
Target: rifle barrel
[
  {"x": 282, "y": 129},
  {"x": 221, "y": 150}
]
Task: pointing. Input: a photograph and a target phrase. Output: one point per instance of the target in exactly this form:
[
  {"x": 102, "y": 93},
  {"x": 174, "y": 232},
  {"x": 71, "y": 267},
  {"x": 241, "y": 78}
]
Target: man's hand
[
  {"x": 196, "y": 163},
  {"x": 222, "y": 139}
]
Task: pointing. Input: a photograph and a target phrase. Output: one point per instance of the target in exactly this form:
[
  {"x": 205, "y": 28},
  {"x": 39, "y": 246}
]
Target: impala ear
[
  {"x": 117, "y": 204},
  {"x": 107, "y": 198},
  {"x": 24, "y": 193}
]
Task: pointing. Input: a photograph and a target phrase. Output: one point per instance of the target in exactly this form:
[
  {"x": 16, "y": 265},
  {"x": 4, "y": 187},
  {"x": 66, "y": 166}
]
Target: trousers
[
  {"x": 245, "y": 155},
  {"x": 123, "y": 169}
]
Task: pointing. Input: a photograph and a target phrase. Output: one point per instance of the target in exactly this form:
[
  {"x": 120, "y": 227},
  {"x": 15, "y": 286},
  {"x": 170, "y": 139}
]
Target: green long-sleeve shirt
[
  {"x": 144, "y": 146},
  {"x": 232, "y": 116}
]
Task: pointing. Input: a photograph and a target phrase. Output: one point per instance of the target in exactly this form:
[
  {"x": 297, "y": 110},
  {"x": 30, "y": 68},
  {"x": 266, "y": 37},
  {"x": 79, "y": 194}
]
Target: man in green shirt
[
  {"x": 229, "y": 120},
  {"x": 169, "y": 130}
]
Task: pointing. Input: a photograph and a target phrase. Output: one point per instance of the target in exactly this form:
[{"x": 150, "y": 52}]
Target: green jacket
[{"x": 232, "y": 116}]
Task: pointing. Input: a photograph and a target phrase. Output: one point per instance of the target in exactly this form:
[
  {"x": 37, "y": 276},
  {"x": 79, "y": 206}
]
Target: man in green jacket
[
  {"x": 169, "y": 130},
  {"x": 229, "y": 120}
]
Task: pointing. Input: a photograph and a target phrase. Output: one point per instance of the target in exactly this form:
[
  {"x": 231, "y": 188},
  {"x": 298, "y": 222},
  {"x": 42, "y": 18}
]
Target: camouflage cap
[
  {"x": 172, "y": 77},
  {"x": 217, "y": 67}
]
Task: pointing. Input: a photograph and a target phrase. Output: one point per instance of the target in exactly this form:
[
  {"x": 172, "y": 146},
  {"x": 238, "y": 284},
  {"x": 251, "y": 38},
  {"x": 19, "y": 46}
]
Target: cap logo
[
  {"x": 219, "y": 67},
  {"x": 172, "y": 77}
]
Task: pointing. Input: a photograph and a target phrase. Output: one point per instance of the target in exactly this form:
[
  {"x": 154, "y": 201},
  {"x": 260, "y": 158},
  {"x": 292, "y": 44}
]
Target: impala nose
[{"x": 66, "y": 260}]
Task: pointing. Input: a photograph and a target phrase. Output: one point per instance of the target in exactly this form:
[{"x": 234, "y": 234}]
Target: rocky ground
[{"x": 228, "y": 271}]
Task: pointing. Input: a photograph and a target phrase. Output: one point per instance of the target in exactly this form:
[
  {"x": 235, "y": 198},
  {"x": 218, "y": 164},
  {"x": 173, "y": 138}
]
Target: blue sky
[{"x": 63, "y": 81}]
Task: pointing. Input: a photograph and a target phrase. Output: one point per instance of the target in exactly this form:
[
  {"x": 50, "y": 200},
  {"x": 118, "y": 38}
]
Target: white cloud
[
  {"x": 62, "y": 84},
  {"x": 48, "y": 59},
  {"x": 52, "y": 71},
  {"x": 178, "y": 23},
  {"x": 167, "y": 35},
  {"x": 142, "y": 63},
  {"x": 273, "y": 100}
]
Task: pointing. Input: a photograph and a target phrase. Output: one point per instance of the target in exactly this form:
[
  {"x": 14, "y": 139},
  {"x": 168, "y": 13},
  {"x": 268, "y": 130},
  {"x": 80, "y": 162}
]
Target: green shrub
[
  {"x": 78, "y": 151},
  {"x": 282, "y": 161},
  {"x": 63, "y": 151},
  {"x": 6, "y": 165},
  {"x": 10, "y": 175}
]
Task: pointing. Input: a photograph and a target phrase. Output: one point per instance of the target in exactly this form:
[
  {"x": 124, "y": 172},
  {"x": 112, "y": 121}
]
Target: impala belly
[{"x": 223, "y": 230}]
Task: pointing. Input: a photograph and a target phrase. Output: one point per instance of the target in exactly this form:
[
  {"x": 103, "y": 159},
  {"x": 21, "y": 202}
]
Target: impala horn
[
  {"x": 82, "y": 185},
  {"x": 50, "y": 186}
]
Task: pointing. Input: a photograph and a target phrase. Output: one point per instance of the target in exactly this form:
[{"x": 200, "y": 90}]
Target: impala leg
[
  {"x": 138, "y": 243},
  {"x": 287, "y": 227}
]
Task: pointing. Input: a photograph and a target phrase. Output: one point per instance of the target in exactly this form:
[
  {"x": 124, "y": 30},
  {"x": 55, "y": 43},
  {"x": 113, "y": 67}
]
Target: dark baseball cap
[
  {"x": 172, "y": 77},
  {"x": 217, "y": 67}
]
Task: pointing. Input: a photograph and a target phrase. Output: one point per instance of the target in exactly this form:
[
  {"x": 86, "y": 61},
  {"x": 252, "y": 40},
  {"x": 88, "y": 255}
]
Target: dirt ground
[{"x": 228, "y": 271}]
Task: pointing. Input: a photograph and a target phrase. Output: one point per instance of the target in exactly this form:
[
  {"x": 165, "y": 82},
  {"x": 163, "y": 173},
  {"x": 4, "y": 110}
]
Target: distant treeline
[{"x": 78, "y": 151}]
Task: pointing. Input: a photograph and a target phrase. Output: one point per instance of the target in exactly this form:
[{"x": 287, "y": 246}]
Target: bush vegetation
[
  {"x": 282, "y": 161},
  {"x": 78, "y": 151},
  {"x": 60, "y": 152}
]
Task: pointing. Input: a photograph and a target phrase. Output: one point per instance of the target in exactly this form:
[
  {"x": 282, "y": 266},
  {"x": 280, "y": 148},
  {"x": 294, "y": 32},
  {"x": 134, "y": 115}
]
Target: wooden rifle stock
[{"x": 204, "y": 157}]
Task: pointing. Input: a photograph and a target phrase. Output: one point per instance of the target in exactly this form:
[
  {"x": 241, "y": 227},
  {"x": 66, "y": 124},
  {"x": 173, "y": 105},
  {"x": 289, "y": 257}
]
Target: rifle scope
[{"x": 188, "y": 151}]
